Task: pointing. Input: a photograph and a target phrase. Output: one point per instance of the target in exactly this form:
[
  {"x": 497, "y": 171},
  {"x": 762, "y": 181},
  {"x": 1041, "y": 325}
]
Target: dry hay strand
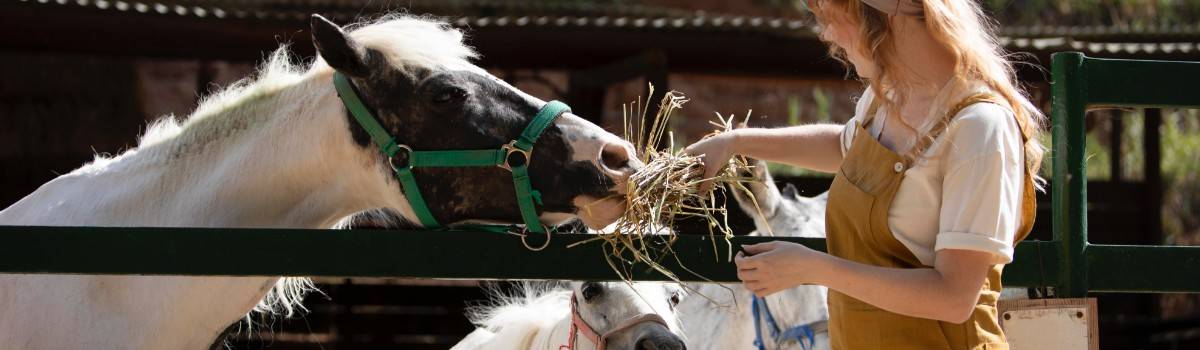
[{"x": 667, "y": 189}]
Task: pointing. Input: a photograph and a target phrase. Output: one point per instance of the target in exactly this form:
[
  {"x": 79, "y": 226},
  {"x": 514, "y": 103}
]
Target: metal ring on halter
[
  {"x": 525, "y": 233},
  {"x": 509, "y": 149},
  {"x": 408, "y": 151}
]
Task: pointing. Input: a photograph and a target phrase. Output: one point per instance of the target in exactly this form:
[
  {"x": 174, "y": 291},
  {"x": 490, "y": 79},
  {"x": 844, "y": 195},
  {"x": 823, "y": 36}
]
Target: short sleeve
[
  {"x": 983, "y": 185},
  {"x": 860, "y": 111}
]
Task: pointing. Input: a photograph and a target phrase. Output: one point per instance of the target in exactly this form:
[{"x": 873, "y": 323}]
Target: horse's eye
[
  {"x": 448, "y": 95},
  {"x": 674, "y": 300},
  {"x": 591, "y": 290}
]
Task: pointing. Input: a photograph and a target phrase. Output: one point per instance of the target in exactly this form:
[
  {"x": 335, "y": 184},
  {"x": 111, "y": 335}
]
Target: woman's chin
[{"x": 598, "y": 213}]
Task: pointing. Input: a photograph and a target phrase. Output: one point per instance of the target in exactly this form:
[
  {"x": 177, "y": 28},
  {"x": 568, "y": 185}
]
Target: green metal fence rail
[
  {"x": 1080, "y": 82},
  {"x": 1067, "y": 262},
  {"x": 374, "y": 253}
]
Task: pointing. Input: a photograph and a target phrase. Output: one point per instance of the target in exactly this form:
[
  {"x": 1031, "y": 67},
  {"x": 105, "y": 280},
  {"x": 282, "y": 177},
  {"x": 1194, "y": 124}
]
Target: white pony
[
  {"x": 723, "y": 317},
  {"x": 280, "y": 151},
  {"x": 585, "y": 316}
]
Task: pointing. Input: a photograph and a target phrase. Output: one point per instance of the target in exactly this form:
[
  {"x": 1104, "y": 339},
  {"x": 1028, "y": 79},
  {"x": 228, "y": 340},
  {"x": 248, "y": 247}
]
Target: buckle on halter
[
  {"x": 509, "y": 162},
  {"x": 408, "y": 152}
]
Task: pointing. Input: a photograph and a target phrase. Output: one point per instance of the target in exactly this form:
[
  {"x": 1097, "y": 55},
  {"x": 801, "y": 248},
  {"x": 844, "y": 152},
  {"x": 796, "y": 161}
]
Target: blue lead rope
[{"x": 798, "y": 333}]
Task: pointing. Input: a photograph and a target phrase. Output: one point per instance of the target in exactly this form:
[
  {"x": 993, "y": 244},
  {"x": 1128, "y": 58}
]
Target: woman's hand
[
  {"x": 775, "y": 266},
  {"x": 715, "y": 152}
]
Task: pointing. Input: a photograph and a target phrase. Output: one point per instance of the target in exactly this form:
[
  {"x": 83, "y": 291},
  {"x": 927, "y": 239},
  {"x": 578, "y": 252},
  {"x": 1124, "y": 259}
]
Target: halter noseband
[
  {"x": 513, "y": 156},
  {"x": 578, "y": 325}
]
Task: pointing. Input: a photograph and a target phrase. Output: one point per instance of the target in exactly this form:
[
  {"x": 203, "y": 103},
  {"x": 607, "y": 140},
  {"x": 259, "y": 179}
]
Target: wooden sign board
[{"x": 1067, "y": 324}]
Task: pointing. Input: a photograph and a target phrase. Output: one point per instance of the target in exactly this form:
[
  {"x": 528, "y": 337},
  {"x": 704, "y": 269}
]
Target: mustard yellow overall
[{"x": 856, "y": 220}]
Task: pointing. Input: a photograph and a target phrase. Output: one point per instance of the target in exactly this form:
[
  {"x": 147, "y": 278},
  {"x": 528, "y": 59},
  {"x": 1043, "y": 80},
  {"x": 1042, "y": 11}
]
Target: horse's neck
[
  {"x": 289, "y": 161},
  {"x": 716, "y": 316},
  {"x": 296, "y": 167}
]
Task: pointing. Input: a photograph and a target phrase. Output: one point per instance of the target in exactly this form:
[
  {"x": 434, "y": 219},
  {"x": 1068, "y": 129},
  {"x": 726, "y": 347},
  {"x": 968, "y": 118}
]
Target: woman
[{"x": 934, "y": 178}]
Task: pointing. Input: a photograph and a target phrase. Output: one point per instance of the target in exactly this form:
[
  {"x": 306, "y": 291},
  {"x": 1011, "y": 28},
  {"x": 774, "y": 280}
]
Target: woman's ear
[{"x": 338, "y": 49}]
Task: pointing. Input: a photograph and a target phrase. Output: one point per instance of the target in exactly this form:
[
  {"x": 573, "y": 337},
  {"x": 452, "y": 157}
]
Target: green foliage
[
  {"x": 794, "y": 108},
  {"x": 823, "y": 102}
]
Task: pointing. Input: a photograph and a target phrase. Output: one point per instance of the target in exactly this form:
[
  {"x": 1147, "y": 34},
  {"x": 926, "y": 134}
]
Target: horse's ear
[{"x": 338, "y": 49}]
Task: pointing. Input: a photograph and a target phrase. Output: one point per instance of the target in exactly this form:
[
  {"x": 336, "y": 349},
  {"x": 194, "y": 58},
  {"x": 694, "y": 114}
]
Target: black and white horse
[{"x": 280, "y": 150}]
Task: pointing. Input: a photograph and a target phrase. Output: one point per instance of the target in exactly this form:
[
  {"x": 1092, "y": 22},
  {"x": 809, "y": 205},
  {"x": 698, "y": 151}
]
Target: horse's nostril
[
  {"x": 615, "y": 157},
  {"x": 646, "y": 344},
  {"x": 660, "y": 343}
]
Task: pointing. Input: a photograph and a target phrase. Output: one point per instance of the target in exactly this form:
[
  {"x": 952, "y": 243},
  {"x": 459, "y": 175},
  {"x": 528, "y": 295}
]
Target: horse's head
[
  {"x": 415, "y": 77},
  {"x": 785, "y": 212},
  {"x": 623, "y": 314}
]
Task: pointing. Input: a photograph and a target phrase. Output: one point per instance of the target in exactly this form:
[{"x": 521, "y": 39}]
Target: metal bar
[
  {"x": 381, "y": 253},
  {"x": 1141, "y": 83},
  {"x": 1035, "y": 264},
  {"x": 1152, "y": 146},
  {"x": 350, "y": 253},
  {"x": 1069, "y": 188},
  {"x": 1116, "y": 138},
  {"x": 1143, "y": 269}
]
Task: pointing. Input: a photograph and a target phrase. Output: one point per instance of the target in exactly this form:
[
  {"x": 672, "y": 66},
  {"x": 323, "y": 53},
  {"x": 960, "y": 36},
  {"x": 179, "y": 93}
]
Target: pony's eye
[
  {"x": 591, "y": 290},
  {"x": 674, "y": 300},
  {"x": 448, "y": 95}
]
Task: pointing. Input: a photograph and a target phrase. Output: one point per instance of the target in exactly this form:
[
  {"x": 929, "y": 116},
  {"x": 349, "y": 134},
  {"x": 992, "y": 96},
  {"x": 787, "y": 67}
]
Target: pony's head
[
  {"x": 618, "y": 312},
  {"x": 415, "y": 77},
  {"x": 786, "y": 212}
]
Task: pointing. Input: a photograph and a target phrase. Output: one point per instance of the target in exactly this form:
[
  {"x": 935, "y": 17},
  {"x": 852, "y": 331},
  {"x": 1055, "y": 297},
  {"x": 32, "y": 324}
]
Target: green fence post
[{"x": 1069, "y": 188}]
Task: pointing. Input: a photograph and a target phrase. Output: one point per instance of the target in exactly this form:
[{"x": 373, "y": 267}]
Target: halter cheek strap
[
  {"x": 578, "y": 326},
  {"x": 804, "y": 335},
  {"x": 513, "y": 157}
]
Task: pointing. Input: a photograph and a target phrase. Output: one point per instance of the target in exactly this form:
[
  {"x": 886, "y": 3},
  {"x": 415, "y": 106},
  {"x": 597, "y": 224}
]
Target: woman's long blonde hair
[{"x": 967, "y": 32}]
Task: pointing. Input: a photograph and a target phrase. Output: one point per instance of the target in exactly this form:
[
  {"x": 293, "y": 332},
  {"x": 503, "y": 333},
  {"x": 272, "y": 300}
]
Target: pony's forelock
[
  {"x": 414, "y": 41},
  {"x": 526, "y": 305}
]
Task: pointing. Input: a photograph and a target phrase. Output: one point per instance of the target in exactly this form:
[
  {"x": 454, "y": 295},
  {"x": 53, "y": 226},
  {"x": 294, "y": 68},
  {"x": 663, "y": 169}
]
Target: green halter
[{"x": 502, "y": 157}]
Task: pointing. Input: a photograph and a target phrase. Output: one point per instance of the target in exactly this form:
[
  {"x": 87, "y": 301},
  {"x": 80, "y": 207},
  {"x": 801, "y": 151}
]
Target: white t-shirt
[{"x": 966, "y": 191}]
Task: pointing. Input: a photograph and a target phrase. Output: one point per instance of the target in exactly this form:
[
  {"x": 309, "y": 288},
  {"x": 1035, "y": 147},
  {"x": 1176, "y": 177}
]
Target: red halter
[{"x": 578, "y": 325}]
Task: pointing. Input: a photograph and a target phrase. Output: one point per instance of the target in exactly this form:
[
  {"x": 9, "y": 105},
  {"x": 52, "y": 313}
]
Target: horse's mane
[
  {"x": 271, "y": 91},
  {"x": 527, "y": 307},
  {"x": 406, "y": 41}
]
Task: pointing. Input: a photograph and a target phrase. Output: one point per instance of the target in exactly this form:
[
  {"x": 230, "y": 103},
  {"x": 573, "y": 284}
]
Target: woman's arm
[
  {"x": 816, "y": 146},
  {"x": 947, "y": 292}
]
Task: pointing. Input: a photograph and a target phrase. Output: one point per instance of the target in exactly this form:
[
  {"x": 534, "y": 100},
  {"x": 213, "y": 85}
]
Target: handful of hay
[{"x": 667, "y": 188}]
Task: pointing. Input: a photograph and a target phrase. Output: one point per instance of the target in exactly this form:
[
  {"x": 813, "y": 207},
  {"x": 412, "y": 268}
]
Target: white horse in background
[
  {"x": 280, "y": 151},
  {"x": 721, "y": 318},
  {"x": 585, "y": 316}
]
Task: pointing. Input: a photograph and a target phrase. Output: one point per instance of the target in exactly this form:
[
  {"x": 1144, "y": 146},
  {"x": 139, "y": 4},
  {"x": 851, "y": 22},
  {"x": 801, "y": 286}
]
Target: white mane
[
  {"x": 523, "y": 311},
  {"x": 406, "y": 41}
]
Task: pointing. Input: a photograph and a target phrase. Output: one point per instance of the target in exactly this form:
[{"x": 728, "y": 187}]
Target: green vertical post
[{"x": 1069, "y": 187}]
